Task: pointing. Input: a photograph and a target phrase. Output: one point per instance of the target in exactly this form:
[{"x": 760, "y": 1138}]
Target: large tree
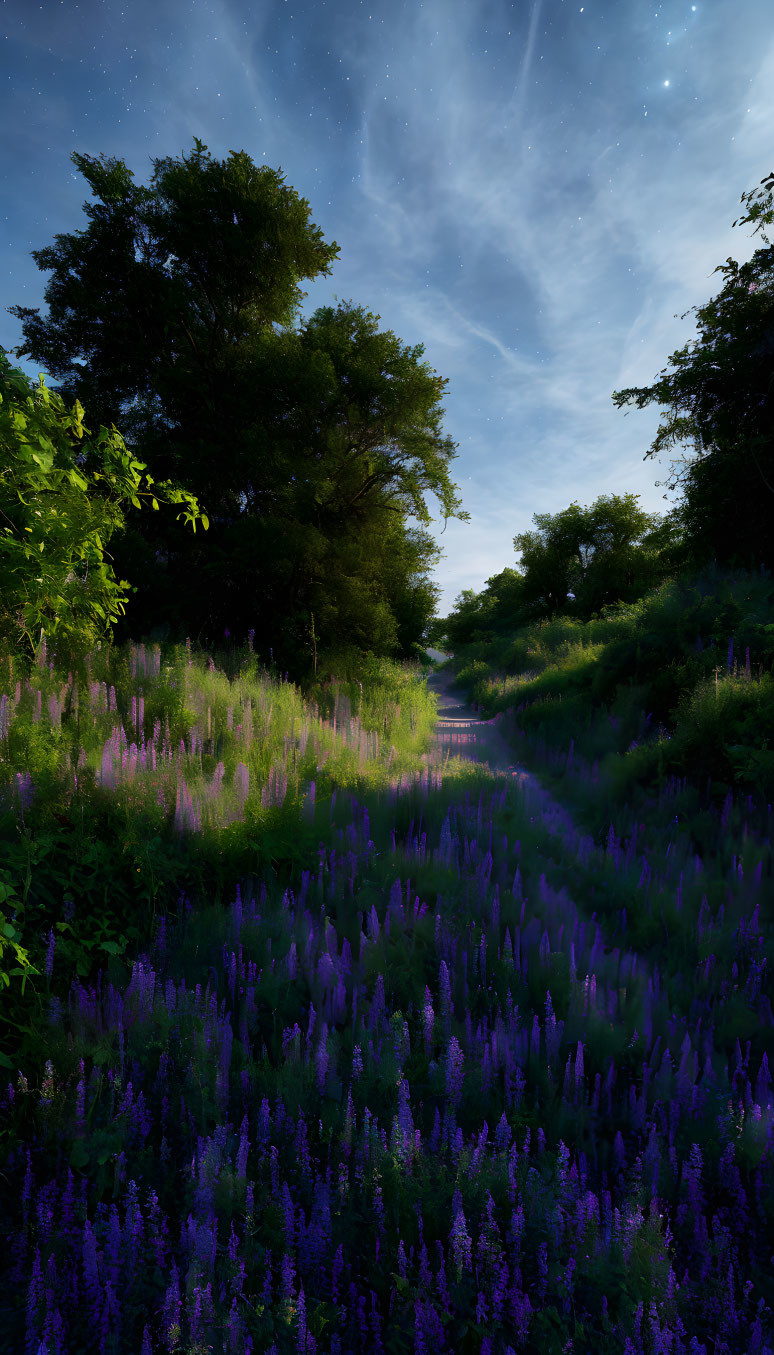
[
  {"x": 179, "y": 300},
  {"x": 726, "y": 385},
  {"x": 610, "y": 552}
]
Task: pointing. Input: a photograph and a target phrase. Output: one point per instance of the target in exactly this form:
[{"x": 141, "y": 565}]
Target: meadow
[{"x": 317, "y": 1040}]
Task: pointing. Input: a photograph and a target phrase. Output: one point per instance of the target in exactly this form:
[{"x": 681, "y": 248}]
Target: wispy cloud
[{"x": 534, "y": 193}]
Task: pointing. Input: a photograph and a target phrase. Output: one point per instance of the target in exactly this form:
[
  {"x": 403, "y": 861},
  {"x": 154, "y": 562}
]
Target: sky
[{"x": 535, "y": 190}]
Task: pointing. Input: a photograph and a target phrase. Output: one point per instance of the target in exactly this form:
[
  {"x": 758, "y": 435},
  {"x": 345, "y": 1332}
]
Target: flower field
[{"x": 316, "y": 1041}]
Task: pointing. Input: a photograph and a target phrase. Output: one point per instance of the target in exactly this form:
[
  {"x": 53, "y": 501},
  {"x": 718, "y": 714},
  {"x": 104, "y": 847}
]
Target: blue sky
[{"x": 534, "y": 191}]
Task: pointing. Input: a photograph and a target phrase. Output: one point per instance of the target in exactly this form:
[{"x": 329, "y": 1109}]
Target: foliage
[
  {"x": 397, "y": 1030},
  {"x": 725, "y": 384},
  {"x": 580, "y": 562},
  {"x": 610, "y": 552},
  {"x": 71, "y": 818},
  {"x": 302, "y": 445},
  {"x": 382, "y": 1035},
  {"x": 674, "y": 685},
  {"x": 57, "y": 580}
]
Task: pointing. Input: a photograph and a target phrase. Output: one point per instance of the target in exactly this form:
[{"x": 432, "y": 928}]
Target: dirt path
[{"x": 461, "y": 732}]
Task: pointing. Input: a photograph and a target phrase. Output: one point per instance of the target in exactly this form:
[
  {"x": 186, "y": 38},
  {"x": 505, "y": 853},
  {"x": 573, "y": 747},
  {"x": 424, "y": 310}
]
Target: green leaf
[{"x": 79, "y": 1155}]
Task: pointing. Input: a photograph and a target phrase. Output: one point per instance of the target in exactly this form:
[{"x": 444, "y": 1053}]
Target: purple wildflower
[{"x": 50, "y": 953}]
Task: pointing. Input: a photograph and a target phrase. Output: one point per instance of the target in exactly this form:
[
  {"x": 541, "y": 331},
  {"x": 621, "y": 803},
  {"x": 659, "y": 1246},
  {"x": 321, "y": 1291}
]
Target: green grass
[
  {"x": 115, "y": 848},
  {"x": 642, "y": 694}
]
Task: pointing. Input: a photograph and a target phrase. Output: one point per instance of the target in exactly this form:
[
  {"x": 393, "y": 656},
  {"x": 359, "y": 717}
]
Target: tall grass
[{"x": 334, "y": 1047}]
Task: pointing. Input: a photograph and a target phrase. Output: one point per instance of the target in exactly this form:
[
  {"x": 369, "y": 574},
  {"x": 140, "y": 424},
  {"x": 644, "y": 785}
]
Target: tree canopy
[
  {"x": 578, "y": 562},
  {"x": 726, "y": 383},
  {"x": 179, "y": 300},
  {"x": 610, "y": 552}
]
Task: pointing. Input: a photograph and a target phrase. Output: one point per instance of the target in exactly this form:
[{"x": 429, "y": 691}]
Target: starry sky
[{"x": 536, "y": 190}]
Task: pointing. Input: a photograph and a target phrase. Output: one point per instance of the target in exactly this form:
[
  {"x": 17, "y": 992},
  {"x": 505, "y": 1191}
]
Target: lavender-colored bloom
[
  {"x": 542, "y": 1265},
  {"x": 338, "y": 1266},
  {"x": 171, "y": 1306},
  {"x": 244, "y": 1148},
  {"x": 503, "y": 1134},
  {"x": 403, "y": 1124},
  {"x": 322, "y": 1059},
  {"x": 288, "y": 1273},
  {"x": 289, "y": 1212},
  {"x": 429, "y": 1018},
  {"x": 460, "y": 1242},
  {"x": 235, "y": 1330},
  {"x": 444, "y": 985},
  {"x": 50, "y": 953},
  {"x": 440, "y": 1281},
  {"x": 579, "y": 1066},
  {"x": 301, "y": 1344},
  {"x": 454, "y": 1071},
  {"x": 35, "y": 1295},
  {"x": 109, "y": 1323}
]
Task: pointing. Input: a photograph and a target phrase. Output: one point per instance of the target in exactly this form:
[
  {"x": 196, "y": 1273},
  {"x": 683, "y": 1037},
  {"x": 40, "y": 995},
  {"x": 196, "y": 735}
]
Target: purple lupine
[
  {"x": 301, "y": 1345},
  {"x": 337, "y": 1268},
  {"x": 440, "y": 1279},
  {"x": 579, "y": 1067},
  {"x": 322, "y": 1058},
  {"x": 236, "y": 1340},
  {"x": 171, "y": 1309},
  {"x": 50, "y": 953},
  {"x": 499, "y": 1289},
  {"x": 244, "y": 1148},
  {"x": 444, "y": 985},
  {"x": 110, "y": 1317},
  {"x": 460, "y": 1240},
  {"x": 455, "y": 1075},
  {"x": 403, "y": 1124},
  {"x": 35, "y": 1294},
  {"x": 288, "y": 1273},
  {"x": 289, "y": 1212},
  {"x": 542, "y": 1264}
]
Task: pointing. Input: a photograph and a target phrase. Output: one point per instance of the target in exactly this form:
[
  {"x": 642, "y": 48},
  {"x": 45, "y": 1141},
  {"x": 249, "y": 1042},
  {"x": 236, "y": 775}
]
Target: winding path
[{"x": 461, "y": 732}]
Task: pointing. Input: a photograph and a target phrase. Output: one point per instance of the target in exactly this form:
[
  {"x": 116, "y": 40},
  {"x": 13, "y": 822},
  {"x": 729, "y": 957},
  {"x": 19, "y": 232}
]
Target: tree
[
  {"x": 53, "y": 528},
  {"x": 409, "y": 554},
  {"x": 292, "y": 440},
  {"x": 610, "y": 552},
  {"x": 477, "y": 618},
  {"x": 726, "y": 384}
]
